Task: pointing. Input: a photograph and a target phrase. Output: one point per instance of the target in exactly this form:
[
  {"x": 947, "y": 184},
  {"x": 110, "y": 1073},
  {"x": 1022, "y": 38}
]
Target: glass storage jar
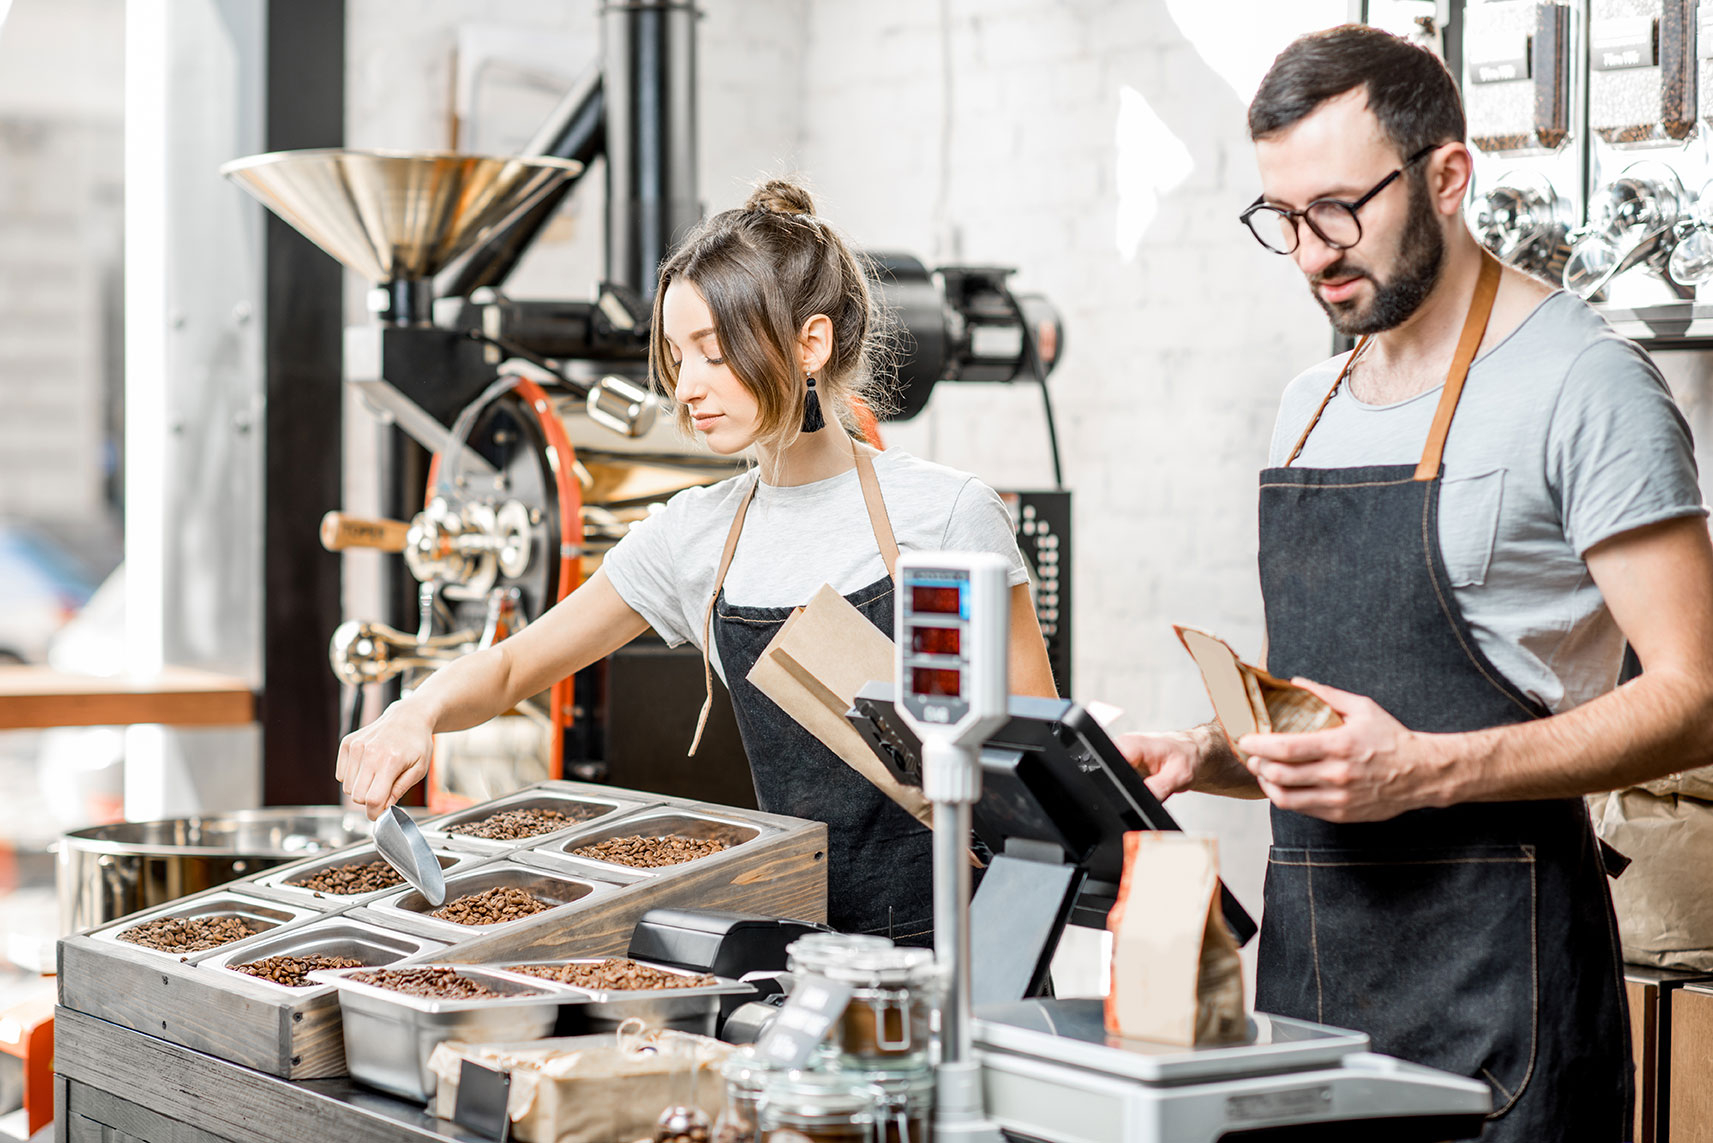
[{"x": 817, "y": 1107}]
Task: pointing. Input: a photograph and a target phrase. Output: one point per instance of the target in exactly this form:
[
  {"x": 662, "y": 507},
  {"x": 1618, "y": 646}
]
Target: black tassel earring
[{"x": 813, "y": 422}]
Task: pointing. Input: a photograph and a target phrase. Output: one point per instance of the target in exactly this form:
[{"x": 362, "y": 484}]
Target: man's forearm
[{"x": 1655, "y": 725}]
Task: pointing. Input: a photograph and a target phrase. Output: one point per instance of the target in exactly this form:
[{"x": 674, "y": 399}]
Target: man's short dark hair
[{"x": 1409, "y": 90}]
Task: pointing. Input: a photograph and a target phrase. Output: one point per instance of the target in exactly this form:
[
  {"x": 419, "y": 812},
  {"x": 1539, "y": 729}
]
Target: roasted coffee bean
[
  {"x": 509, "y": 825},
  {"x": 492, "y": 906},
  {"x": 614, "y": 973},
  {"x": 293, "y": 971},
  {"x": 437, "y": 983},
  {"x": 683, "y": 1125},
  {"x": 652, "y": 852},
  {"x": 345, "y": 880},
  {"x": 189, "y": 934}
]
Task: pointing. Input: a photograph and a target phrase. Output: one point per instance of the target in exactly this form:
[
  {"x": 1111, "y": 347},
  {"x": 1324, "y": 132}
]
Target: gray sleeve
[
  {"x": 1619, "y": 454},
  {"x": 640, "y": 569},
  {"x": 980, "y": 523}
]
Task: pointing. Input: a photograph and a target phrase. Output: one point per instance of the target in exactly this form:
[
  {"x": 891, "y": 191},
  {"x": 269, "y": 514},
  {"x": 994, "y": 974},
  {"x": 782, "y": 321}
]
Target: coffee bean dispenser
[
  {"x": 1646, "y": 152},
  {"x": 1523, "y": 94},
  {"x": 1642, "y": 71}
]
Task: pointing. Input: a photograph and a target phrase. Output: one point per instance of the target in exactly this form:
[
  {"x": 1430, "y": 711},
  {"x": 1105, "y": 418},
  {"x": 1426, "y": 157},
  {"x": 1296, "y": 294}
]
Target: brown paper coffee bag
[{"x": 1176, "y": 978}]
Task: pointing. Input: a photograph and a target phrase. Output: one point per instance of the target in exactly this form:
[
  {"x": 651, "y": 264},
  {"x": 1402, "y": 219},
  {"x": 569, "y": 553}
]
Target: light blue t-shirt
[{"x": 1565, "y": 435}]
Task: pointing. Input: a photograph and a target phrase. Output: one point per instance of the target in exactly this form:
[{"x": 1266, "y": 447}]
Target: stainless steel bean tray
[
  {"x": 557, "y": 889},
  {"x": 335, "y": 936},
  {"x": 691, "y": 1009},
  {"x": 595, "y": 807},
  {"x": 276, "y": 881},
  {"x": 390, "y": 1035},
  {"x": 262, "y": 914},
  {"x": 657, "y": 823}
]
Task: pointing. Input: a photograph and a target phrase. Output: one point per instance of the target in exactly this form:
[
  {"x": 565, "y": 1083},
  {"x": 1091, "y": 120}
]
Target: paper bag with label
[
  {"x": 1246, "y": 699},
  {"x": 1176, "y": 978},
  {"x": 813, "y": 669}
]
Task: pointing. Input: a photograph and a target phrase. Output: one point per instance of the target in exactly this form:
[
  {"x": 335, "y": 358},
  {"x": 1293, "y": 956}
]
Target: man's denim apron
[
  {"x": 1479, "y": 938},
  {"x": 879, "y": 858}
]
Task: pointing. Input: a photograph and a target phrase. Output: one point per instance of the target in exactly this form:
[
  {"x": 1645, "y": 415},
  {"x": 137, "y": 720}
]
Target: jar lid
[
  {"x": 814, "y": 1094},
  {"x": 913, "y": 1086},
  {"x": 816, "y": 951},
  {"x": 745, "y": 1068},
  {"x": 884, "y": 968}
]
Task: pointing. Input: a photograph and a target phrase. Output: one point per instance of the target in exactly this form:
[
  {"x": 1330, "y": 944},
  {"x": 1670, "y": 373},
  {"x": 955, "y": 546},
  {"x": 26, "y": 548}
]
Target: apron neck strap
[
  {"x": 877, "y": 520},
  {"x": 1474, "y": 329}
]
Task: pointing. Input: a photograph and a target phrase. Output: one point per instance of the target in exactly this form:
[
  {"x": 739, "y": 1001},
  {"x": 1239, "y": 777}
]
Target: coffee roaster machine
[{"x": 530, "y": 438}]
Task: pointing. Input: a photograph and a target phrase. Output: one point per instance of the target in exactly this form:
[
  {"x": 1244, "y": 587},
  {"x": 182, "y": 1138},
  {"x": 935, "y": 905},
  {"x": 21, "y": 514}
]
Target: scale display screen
[
  {"x": 937, "y": 682},
  {"x": 936, "y": 640},
  {"x": 933, "y": 599}
]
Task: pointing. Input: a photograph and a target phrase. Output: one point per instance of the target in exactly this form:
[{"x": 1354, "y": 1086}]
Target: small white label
[{"x": 1704, "y": 38}]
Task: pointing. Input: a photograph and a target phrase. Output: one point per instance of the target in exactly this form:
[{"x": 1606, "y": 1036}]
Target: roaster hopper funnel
[{"x": 396, "y": 216}]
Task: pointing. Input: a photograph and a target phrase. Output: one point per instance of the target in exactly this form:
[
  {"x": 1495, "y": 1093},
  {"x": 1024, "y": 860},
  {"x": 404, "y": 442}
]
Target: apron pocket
[{"x": 1432, "y": 952}]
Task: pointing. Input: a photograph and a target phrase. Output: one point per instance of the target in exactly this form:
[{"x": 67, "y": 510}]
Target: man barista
[{"x": 1464, "y": 521}]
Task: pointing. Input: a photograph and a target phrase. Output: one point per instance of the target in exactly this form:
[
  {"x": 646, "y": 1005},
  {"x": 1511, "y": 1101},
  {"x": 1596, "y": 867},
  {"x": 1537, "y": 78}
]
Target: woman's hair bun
[{"x": 779, "y": 196}]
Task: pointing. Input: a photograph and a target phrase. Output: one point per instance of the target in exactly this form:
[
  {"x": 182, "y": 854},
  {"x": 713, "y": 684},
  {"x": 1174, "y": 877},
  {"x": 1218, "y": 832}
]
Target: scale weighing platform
[{"x": 1050, "y": 1071}]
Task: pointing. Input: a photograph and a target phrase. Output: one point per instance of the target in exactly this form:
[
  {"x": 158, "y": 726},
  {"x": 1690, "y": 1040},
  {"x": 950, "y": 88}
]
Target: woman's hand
[{"x": 380, "y": 762}]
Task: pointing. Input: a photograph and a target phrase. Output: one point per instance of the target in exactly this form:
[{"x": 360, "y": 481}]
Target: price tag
[
  {"x": 483, "y": 1094},
  {"x": 1502, "y": 60},
  {"x": 1626, "y": 42},
  {"x": 802, "y": 1024}
]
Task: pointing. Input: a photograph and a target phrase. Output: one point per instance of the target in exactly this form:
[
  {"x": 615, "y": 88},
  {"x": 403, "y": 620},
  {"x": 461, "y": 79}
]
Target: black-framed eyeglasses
[{"x": 1333, "y": 220}]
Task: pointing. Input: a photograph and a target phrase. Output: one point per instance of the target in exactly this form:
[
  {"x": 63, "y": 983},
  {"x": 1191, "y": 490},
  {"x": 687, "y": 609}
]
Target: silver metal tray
[
  {"x": 658, "y": 822},
  {"x": 389, "y": 1035},
  {"x": 535, "y": 798},
  {"x": 692, "y": 1009},
  {"x": 333, "y": 936},
  {"x": 264, "y": 914},
  {"x": 557, "y": 889},
  {"x": 275, "y": 882}
]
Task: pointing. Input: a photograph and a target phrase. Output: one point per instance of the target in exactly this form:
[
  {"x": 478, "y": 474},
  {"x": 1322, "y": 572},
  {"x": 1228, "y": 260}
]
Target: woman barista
[{"x": 763, "y": 332}]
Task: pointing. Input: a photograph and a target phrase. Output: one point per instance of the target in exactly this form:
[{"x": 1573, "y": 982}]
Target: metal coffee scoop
[{"x": 406, "y": 850}]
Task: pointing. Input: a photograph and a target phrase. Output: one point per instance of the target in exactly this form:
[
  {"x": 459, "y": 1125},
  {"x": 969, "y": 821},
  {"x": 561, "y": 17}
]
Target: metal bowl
[{"x": 112, "y": 871}]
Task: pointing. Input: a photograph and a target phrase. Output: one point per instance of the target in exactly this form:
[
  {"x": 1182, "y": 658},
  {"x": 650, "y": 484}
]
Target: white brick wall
[{"x": 1174, "y": 357}]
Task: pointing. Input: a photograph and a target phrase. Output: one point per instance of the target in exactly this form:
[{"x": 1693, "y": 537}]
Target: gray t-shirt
[
  {"x": 1565, "y": 435},
  {"x": 797, "y": 538}
]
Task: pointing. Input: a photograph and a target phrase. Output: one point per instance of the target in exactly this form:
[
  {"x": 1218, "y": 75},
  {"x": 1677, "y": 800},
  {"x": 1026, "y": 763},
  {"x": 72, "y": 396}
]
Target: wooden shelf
[{"x": 38, "y": 697}]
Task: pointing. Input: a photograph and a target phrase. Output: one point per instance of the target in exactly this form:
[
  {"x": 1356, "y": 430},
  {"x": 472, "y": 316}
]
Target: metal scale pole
[{"x": 953, "y": 637}]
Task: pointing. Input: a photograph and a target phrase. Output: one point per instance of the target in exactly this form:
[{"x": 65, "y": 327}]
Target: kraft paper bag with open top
[
  {"x": 1176, "y": 978},
  {"x": 592, "y": 1089},
  {"x": 1246, "y": 699},
  {"x": 813, "y": 668}
]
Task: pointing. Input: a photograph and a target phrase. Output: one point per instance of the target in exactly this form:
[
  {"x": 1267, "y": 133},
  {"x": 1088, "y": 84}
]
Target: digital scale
[{"x": 1040, "y": 783}]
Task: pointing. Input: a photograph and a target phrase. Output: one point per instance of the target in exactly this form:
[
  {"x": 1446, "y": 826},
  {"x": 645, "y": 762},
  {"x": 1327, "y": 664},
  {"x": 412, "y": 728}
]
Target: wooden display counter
[{"x": 116, "y": 1084}]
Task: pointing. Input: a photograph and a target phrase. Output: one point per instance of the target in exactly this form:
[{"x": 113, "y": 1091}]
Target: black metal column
[{"x": 304, "y": 317}]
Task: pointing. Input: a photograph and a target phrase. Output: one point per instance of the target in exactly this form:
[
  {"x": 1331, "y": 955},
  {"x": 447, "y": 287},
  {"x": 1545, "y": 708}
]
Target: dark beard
[{"x": 1421, "y": 257}]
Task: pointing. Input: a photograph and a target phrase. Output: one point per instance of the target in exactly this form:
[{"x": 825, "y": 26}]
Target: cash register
[{"x": 1049, "y": 796}]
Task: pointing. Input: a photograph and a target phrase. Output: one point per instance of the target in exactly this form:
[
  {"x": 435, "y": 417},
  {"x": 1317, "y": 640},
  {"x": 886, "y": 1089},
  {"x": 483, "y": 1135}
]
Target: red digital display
[
  {"x": 936, "y": 640},
  {"x": 936, "y": 681},
  {"x": 935, "y": 600}
]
